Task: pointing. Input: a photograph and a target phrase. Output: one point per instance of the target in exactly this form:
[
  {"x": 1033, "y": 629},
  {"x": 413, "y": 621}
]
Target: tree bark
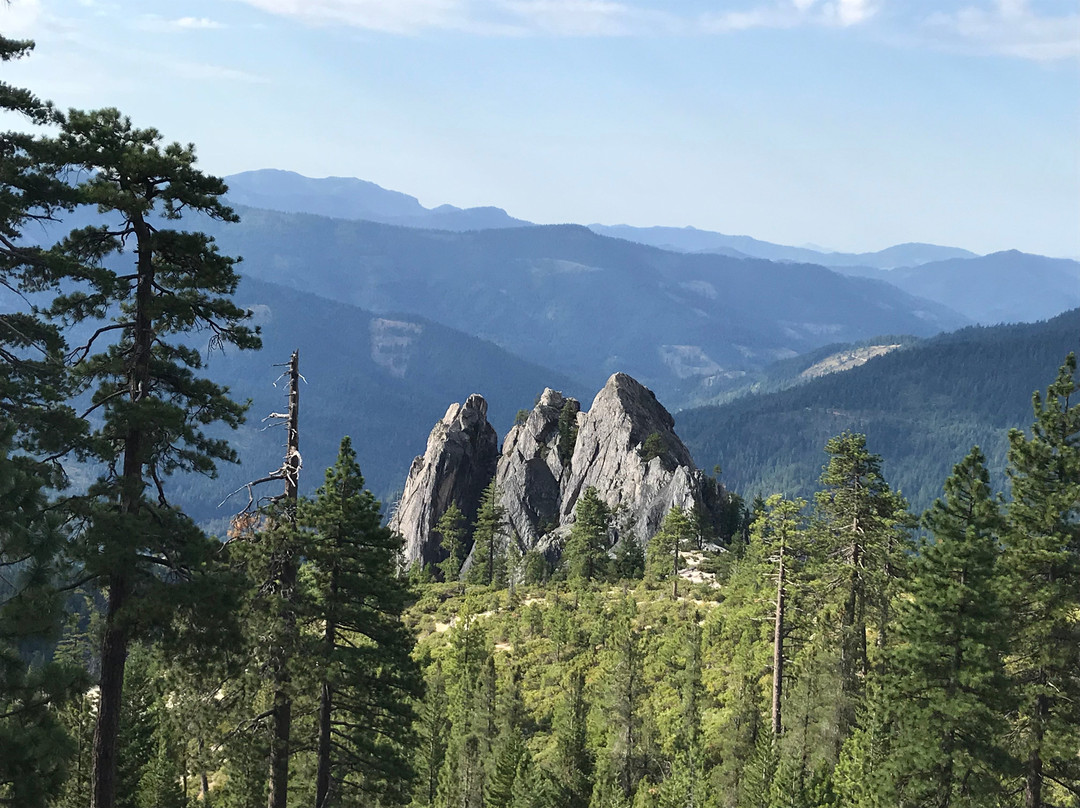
[
  {"x": 1033, "y": 776},
  {"x": 281, "y": 717},
  {"x": 778, "y": 649},
  {"x": 114, "y": 645},
  {"x": 326, "y": 704},
  {"x": 113, "y": 658}
]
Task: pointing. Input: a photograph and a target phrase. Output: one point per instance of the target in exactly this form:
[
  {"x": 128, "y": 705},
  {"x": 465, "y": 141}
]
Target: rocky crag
[
  {"x": 625, "y": 447},
  {"x": 461, "y": 458}
]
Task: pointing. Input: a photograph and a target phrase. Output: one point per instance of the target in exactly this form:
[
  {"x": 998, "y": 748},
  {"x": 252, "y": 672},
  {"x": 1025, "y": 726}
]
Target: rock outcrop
[
  {"x": 531, "y": 472},
  {"x": 625, "y": 447},
  {"x": 628, "y": 451},
  {"x": 460, "y": 460}
]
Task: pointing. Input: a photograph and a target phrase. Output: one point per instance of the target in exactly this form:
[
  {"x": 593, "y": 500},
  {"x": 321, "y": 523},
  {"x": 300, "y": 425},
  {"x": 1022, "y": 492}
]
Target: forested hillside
[
  {"x": 382, "y": 379},
  {"x": 921, "y": 407},
  {"x": 586, "y": 305},
  {"x": 1003, "y": 287}
]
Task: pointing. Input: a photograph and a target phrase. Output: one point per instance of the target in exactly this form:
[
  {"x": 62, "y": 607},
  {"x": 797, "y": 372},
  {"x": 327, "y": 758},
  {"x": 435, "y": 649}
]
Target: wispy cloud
[
  {"x": 791, "y": 14},
  {"x": 391, "y": 16},
  {"x": 152, "y": 22},
  {"x": 574, "y": 17},
  {"x": 1010, "y": 28},
  {"x": 562, "y": 17},
  {"x": 206, "y": 71},
  {"x": 196, "y": 23}
]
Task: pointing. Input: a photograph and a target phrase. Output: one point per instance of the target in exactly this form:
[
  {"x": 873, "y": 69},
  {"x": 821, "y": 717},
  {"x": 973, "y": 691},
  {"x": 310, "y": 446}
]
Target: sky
[{"x": 847, "y": 124}]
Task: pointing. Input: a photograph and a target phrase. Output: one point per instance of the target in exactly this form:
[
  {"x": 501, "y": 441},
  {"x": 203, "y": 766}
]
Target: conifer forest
[{"x": 839, "y": 651}]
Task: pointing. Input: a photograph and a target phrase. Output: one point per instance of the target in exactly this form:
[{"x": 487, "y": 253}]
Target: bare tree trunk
[
  {"x": 281, "y": 717},
  {"x": 778, "y": 650},
  {"x": 326, "y": 704},
  {"x": 675, "y": 572}
]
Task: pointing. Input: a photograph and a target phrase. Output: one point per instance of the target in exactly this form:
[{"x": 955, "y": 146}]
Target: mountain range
[
  {"x": 396, "y": 322},
  {"x": 567, "y": 298},
  {"x": 922, "y": 406},
  {"x": 383, "y": 379},
  {"x": 1007, "y": 286}
]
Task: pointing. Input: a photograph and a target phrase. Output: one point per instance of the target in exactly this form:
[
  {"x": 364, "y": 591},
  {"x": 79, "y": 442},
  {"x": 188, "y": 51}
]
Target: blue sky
[{"x": 851, "y": 124}]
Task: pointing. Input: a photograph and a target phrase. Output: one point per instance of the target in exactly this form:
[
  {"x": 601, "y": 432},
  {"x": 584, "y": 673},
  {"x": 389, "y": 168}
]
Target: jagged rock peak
[
  {"x": 458, "y": 463},
  {"x": 625, "y": 447},
  {"x": 628, "y": 451},
  {"x": 531, "y": 468},
  {"x": 467, "y": 415}
]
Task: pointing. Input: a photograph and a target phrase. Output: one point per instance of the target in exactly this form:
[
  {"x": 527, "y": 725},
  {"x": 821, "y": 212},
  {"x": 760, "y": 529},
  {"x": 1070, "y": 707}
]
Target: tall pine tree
[
  {"x": 142, "y": 371},
  {"x": 488, "y": 551},
  {"x": 863, "y": 525},
  {"x": 1042, "y": 561},
  {"x": 944, "y": 693},
  {"x": 585, "y": 554},
  {"x": 368, "y": 680}
]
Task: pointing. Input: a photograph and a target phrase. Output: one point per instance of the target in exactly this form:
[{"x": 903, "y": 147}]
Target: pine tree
[
  {"x": 452, "y": 532},
  {"x": 664, "y": 551},
  {"x": 585, "y": 554},
  {"x": 488, "y": 541},
  {"x": 1042, "y": 562},
  {"x": 433, "y": 727},
  {"x": 739, "y": 654},
  {"x": 461, "y": 779},
  {"x": 34, "y": 378},
  {"x": 863, "y": 526},
  {"x": 35, "y": 422},
  {"x": 574, "y": 764},
  {"x": 778, "y": 549},
  {"x": 944, "y": 692},
  {"x": 568, "y": 430},
  {"x": 629, "y": 561},
  {"x": 34, "y": 746},
  {"x": 367, "y": 678},
  {"x": 152, "y": 405}
]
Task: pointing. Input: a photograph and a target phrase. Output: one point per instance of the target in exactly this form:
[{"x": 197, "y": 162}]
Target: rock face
[
  {"x": 611, "y": 455},
  {"x": 625, "y": 447},
  {"x": 531, "y": 473},
  {"x": 460, "y": 460}
]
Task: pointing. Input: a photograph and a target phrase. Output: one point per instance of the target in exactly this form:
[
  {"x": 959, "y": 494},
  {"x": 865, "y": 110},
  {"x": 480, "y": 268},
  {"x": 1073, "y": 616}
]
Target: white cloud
[
  {"x": 391, "y": 16},
  {"x": 195, "y": 23},
  {"x": 574, "y": 17},
  {"x": 1010, "y": 28},
  {"x": 853, "y": 12},
  {"x": 152, "y": 22},
  {"x": 205, "y": 71},
  {"x": 562, "y": 17},
  {"x": 790, "y": 14}
]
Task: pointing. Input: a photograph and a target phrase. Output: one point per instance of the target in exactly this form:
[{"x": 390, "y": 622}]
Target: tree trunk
[
  {"x": 281, "y": 717},
  {"x": 326, "y": 704},
  {"x": 113, "y": 658},
  {"x": 1033, "y": 777},
  {"x": 675, "y": 572},
  {"x": 778, "y": 650},
  {"x": 114, "y": 645}
]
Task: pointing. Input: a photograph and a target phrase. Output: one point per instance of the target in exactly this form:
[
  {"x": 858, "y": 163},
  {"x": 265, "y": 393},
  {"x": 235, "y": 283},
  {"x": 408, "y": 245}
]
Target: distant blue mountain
[
  {"x": 691, "y": 239},
  {"x": 1003, "y": 287},
  {"x": 569, "y": 299},
  {"x": 350, "y": 198}
]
